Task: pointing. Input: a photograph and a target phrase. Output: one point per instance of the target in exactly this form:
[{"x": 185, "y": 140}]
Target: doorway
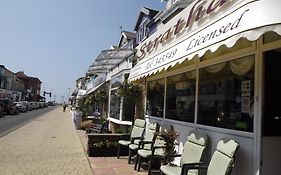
[{"x": 271, "y": 119}]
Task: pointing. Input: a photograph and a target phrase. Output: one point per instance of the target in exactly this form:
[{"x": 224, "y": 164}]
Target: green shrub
[
  {"x": 102, "y": 120},
  {"x": 119, "y": 130}
]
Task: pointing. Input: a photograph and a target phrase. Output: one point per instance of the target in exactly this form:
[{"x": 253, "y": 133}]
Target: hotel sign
[
  {"x": 200, "y": 9},
  {"x": 212, "y": 23}
]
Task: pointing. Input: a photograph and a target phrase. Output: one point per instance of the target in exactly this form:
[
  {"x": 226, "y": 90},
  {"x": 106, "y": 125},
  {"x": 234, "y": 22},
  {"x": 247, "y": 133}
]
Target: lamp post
[{"x": 68, "y": 94}]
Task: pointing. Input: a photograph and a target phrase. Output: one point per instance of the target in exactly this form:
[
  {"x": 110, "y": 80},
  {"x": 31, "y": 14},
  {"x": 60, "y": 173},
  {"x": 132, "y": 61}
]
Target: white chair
[
  {"x": 193, "y": 151},
  {"x": 222, "y": 161}
]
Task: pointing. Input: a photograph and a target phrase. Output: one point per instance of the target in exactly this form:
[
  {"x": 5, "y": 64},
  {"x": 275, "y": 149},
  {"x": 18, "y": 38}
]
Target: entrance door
[{"x": 271, "y": 121}]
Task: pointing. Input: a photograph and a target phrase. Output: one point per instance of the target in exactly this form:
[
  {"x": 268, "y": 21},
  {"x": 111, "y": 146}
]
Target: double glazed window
[
  {"x": 225, "y": 95},
  {"x": 121, "y": 108},
  {"x": 115, "y": 101},
  {"x": 180, "y": 97},
  {"x": 155, "y": 97}
]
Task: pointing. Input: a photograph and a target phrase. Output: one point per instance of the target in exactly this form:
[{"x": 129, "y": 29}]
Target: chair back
[
  {"x": 194, "y": 147},
  {"x": 150, "y": 133},
  {"x": 159, "y": 141},
  {"x": 223, "y": 159},
  {"x": 138, "y": 128}
]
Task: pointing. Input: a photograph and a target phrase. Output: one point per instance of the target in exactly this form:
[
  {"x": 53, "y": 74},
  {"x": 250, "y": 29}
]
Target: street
[{"x": 9, "y": 123}]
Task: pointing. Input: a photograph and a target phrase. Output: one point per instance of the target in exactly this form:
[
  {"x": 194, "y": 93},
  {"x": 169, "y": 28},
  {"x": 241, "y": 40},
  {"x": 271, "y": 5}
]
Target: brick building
[{"x": 32, "y": 86}]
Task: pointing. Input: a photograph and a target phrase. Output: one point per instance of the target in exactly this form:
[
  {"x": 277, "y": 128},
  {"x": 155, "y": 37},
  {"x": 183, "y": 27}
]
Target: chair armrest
[
  {"x": 192, "y": 166},
  {"x": 172, "y": 156},
  {"x": 143, "y": 142},
  {"x": 177, "y": 155},
  {"x": 157, "y": 147},
  {"x": 136, "y": 138}
]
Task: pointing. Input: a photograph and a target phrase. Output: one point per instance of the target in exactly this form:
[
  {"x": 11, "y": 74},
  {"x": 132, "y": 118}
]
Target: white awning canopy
[
  {"x": 91, "y": 90},
  {"x": 181, "y": 40},
  {"x": 109, "y": 59},
  {"x": 81, "y": 93}
]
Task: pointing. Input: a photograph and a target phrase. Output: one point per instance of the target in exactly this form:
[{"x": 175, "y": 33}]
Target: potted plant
[
  {"x": 105, "y": 144},
  {"x": 169, "y": 135}
]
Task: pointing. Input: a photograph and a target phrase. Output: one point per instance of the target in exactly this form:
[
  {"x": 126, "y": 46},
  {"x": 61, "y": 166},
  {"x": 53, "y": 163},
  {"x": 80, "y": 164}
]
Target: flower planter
[
  {"x": 105, "y": 145},
  {"x": 104, "y": 151}
]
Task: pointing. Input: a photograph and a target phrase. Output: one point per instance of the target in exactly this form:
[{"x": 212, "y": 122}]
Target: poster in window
[
  {"x": 246, "y": 88},
  {"x": 245, "y": 105}
]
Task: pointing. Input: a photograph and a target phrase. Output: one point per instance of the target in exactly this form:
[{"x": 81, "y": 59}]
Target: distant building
[
  {"x": 32, "y": 86},
  {"x": 10, "y": 85}
]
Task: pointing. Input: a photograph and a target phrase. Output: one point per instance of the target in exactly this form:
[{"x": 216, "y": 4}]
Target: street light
[{"x": 68, "y": 94}]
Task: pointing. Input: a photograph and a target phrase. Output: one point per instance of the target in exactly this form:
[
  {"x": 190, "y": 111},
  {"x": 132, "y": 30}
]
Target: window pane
[
  {"x": 155, "y": 97},
  {"x": 128, "y": 108},
  {"x": 180, "y": 98},
  {"x": 114, "y": 105},
  {"x": 226, "y": 94},
  {"x": 116, "y": 81}
]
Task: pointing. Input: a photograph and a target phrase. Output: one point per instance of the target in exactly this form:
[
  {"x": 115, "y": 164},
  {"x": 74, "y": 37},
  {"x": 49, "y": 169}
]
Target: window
[
  {"x": 114, "y": 105},
  {"x": 128, "y": 109},
  {"x": 116, "y": 81},
  {"x": 226, "y": 94},
  {"x": 142, "y": 31},
  {"x": 155, "y": 97},
  {"x": 180, "y": 98},
  {"x": 128, "y": 105}
]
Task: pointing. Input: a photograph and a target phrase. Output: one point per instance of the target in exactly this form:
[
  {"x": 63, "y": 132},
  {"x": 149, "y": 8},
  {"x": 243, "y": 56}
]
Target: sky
[{"x": 57, "y": 40}]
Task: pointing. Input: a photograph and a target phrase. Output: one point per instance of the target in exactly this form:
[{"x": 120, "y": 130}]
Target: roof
[
  {"x": 174, "y": 9},
  {"x": 35, "y": 79},
  {"x": 127, "y": 35},
  {"x": 108, "y": 59},
  {"x": 145, "y": 11},
  {"x": 21, "y": 74}
]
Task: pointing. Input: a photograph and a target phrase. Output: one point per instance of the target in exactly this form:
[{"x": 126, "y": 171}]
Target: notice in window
[{"x": 245, "y": 105}]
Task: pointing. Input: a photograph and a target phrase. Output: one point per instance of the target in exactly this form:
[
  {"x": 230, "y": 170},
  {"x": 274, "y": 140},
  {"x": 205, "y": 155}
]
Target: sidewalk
[{"x": 48, "y": 145}]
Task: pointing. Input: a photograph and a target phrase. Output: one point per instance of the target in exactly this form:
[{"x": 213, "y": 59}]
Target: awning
[
  {"x": 109, "y": 59},
  {"x": 231, "y": 21},
  {"x": 81, "y": 93},
  {"x": 91, "y": 90}
]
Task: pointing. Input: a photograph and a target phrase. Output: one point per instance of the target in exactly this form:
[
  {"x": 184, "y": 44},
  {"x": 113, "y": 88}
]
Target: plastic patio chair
[
  {"x": 193, "y": 151},
  {"x": 148, "y": 138},
  {"x": 154, "y": 148},
  {"x": 136, "y": 134},
  {"x": 222, "y": 161}
]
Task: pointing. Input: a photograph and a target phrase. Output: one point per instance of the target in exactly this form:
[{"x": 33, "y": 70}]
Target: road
[{"x": 9, "y": 123}]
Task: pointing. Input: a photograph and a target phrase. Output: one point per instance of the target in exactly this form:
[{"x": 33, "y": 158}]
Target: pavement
[{"x": 50, "y": 145}]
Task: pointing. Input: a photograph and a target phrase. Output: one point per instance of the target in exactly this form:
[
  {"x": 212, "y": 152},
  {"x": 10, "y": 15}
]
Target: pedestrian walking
[{"x": 64, "y": 106}]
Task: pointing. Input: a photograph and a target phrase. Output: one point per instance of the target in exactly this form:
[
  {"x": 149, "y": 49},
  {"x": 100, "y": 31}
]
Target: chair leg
[
  {"x": 150, "y": 166},
  {"x": 130, "y": 156},
  {"x": 136, "y": 163},
  {"x": 139, "y": 163},
  {"x": 118, "y": 152}
]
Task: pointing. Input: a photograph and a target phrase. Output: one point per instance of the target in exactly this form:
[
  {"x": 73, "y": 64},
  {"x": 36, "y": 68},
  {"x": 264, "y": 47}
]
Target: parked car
[
  {"x": 1, "y": 109},
  {"x": 21, "y": 105},
  {"x": 28, "y": 106},
  {"x": 33, "y": 105},
  {"x": 51, "y": 103},
  {"x": 9, "y": 106}
]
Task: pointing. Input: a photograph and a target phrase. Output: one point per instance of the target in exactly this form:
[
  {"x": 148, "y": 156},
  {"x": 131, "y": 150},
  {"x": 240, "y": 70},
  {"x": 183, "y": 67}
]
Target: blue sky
[{"x": 57, "y": 40}]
